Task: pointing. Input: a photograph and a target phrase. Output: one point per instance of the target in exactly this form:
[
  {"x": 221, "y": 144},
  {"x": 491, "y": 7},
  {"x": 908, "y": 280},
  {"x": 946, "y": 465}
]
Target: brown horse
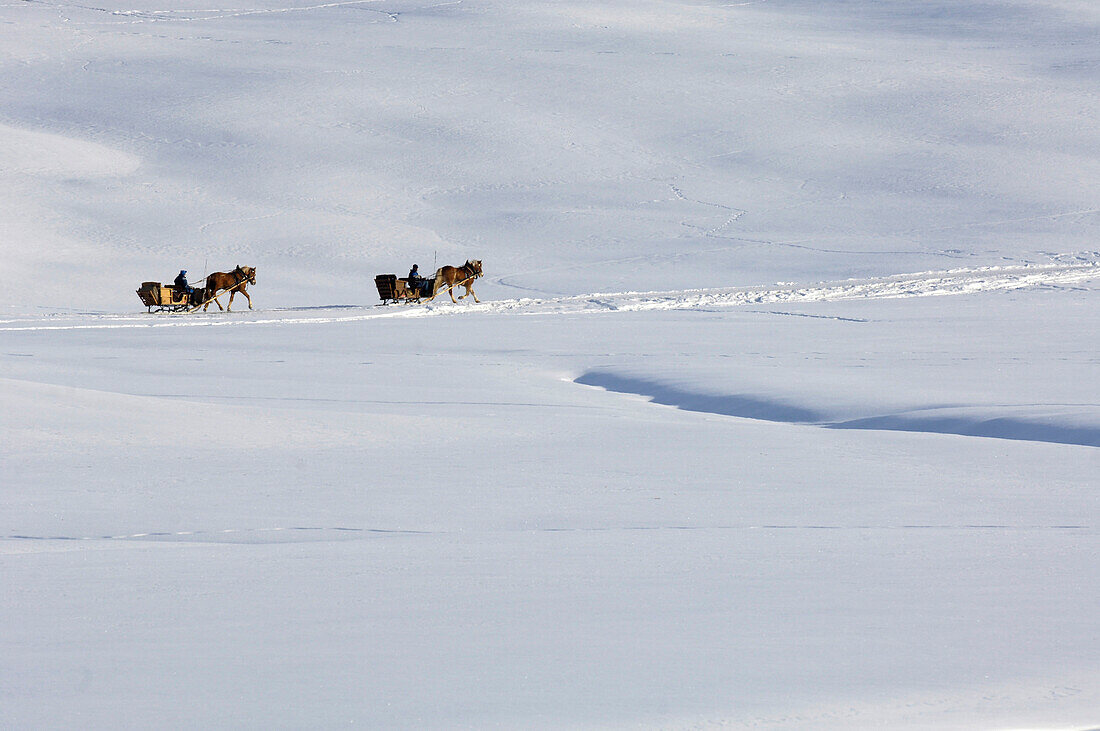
[
  {"x": 451, "y": 277},
  {"x": 235, "y": 281}
]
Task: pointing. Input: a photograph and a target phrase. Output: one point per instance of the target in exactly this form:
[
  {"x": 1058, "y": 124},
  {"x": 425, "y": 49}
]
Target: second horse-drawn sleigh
[
  {"x": 391, "y": 289},
  {"x": 172, "y": 298}
]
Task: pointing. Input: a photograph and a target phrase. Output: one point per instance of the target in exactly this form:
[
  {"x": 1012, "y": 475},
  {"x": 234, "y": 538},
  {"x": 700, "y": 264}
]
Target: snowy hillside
[{"x": 779, "y": 408}]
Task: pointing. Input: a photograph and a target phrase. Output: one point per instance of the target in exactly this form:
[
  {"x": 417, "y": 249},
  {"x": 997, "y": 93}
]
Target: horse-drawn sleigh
[
  {"x": 391, "y": 289},
  {"x": 170, "y": 298}
]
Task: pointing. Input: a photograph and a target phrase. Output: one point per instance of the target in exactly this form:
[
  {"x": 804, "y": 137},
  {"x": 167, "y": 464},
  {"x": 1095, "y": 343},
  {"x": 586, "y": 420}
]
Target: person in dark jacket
[
  {"x": 181, "y": 283},
  {"x": 418, "y": 283}
]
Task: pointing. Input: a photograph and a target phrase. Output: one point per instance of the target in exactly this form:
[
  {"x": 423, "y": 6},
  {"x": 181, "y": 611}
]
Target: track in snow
[
  {"x": 304, "y": 534},
  {"x": 922, "y": 284}
]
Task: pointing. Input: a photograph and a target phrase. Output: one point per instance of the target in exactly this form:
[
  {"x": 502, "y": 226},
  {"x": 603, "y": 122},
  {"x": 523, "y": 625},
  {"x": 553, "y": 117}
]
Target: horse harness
[{"x": 469, "y": 269}]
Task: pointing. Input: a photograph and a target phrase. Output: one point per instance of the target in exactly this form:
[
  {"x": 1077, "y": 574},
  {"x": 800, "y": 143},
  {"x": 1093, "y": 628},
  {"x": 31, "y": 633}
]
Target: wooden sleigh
[{"x": 392, "y": 290}]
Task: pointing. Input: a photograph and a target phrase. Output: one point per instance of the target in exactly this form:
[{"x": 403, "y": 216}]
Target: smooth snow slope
[{"x": 779, "y": 409}]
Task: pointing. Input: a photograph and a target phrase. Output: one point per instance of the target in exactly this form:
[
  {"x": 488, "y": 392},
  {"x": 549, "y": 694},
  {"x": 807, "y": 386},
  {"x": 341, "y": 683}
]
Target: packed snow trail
[{"x": 921, "y": 284}]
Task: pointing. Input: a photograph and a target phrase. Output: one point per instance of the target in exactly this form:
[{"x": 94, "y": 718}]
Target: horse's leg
[
  {"x": 229, "y": 304},
  {"x": 211, "y": 295},
  {"x": 451, "y": 291},
  {"x": 245, "y": 293},
  {"x": 469, "y": 285}
]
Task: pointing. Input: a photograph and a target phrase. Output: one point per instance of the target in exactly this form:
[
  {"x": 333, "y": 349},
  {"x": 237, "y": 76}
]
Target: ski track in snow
[
  {"x": 298, "y": 534},
  {"x": 921, "y": 284},
  {"x": 230, "y": 535},
  {"x": 191, "y": 15}
]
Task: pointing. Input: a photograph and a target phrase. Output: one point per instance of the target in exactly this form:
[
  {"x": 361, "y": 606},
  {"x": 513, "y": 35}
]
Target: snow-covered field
[{"x": 779, "y": 409}]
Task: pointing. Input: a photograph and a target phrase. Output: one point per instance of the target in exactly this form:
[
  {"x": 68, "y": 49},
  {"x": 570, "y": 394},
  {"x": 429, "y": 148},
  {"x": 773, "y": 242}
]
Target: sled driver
[
  {"x": 181, "y": 283},
  {"x": 417, "y": 283}
]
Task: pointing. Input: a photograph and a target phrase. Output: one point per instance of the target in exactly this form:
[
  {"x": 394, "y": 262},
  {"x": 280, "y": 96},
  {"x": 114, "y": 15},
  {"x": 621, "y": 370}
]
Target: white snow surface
[{"x": 779, "y": 408}]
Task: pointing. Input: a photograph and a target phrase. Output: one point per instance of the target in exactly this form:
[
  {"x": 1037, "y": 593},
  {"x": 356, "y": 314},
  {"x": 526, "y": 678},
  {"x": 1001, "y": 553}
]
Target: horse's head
[
  {"x": 247, "y": 273},
  {"x": 474, "y": 266}
]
